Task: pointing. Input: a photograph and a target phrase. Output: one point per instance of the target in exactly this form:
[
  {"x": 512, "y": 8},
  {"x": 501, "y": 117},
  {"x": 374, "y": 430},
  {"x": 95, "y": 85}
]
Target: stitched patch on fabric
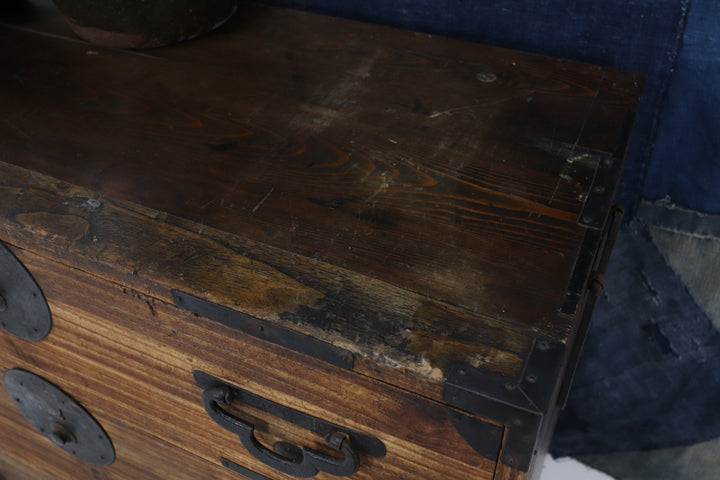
[{"x": 650, "y": 374}]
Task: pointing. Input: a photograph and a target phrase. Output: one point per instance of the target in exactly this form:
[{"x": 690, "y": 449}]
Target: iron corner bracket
[
  {"x": 603, "y": 189},
  {"x": 522, "y": 404}
]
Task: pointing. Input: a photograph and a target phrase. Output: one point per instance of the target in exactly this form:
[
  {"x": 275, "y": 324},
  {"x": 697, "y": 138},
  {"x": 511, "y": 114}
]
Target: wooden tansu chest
[{"x": 298, "y": 247}]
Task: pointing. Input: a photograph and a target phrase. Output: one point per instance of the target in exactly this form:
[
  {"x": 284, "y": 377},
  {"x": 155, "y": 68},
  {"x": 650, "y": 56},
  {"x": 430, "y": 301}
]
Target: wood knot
[{"x": 486, "y": 77}]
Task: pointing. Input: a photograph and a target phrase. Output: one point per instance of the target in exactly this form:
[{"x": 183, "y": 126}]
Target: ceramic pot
[{"x": 144, "y": 23}]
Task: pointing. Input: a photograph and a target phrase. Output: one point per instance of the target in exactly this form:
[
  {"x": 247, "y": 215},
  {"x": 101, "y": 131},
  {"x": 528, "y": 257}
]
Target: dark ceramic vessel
[{"x": 144, "y": 23}]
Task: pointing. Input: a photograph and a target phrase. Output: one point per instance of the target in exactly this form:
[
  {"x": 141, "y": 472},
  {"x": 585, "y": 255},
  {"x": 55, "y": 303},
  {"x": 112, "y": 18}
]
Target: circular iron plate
[
  {"x": 23, "y": 309},
  {"x": 57, "y": 416}
]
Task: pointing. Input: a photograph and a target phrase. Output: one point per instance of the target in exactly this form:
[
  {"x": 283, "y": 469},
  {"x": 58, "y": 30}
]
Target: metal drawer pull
[{"x": 288, "y": 458}]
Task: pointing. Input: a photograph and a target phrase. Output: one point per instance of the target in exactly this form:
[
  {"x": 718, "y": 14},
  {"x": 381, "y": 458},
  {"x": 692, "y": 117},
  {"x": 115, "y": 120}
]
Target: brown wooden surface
[
  {"x": 504, "y": 472},
  {"x": 128, "y": 359},
  {"x": 113, "y": 239},
  {"x": 410, "y": 199},
  {"x": 449, "y": 169}
]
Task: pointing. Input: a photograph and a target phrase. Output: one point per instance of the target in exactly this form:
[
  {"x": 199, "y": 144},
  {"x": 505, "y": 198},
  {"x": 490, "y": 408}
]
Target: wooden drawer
[
  {"x": 130, "y": 359},
  {"x": 378, "y": 244}
]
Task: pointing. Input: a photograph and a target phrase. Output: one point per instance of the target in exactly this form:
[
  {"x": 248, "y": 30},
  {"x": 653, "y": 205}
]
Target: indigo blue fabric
[
  {"x": 686, "y": 159},
  {"x": 650, "y": 374},
  {"x": 637, "y": 35}
]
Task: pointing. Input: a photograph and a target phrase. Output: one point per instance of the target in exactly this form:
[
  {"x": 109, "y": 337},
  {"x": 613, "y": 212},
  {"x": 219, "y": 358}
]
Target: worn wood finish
[
  {"x": 141, "y": 353},
  {"x": 113, "y": 239},
  {"x": 323, "y": 144},
  {"x": 417, "y": 203}
]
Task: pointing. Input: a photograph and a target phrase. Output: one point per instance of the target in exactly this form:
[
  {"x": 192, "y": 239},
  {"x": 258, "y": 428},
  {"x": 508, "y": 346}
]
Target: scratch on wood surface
[
  {"x": 571, "y": 153},
  {"x": 450, "y": 111},
  {"x": 263, "y": 200},
  {"x": 382, "y": 188},
  {"x": 87, "y": 203},
  {"x": 572, "y": 158},
  {"x": 579, "y": 158},
  {"x": 470, "y": 108},
  {"x": 584, "y": 124}
]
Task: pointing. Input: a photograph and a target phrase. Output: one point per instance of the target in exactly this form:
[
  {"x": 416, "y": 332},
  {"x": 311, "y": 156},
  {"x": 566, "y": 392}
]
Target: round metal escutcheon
[
  {"x": 23, "y": 309},
  {"x": 60, "y": 418}
]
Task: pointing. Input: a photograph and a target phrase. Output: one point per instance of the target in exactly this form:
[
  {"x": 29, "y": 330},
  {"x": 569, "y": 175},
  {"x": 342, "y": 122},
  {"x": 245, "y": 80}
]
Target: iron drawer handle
[{"x": 290, "y": 459}]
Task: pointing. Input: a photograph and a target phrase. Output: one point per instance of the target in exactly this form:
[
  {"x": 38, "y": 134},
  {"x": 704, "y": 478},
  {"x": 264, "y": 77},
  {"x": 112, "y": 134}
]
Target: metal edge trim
[
  {"x": 265, "y": 330},
  {"x": 519, "y": 403}
]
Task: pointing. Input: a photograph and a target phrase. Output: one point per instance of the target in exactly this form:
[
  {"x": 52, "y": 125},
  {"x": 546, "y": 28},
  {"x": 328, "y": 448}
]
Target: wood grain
[
  {"x": 128, "y": 359},
  {"x": 315, "y": 136},
  {"x": 412, "y": 200},
  {"x": 396, "y": 335},
  {"x": 504, "y": 472}
]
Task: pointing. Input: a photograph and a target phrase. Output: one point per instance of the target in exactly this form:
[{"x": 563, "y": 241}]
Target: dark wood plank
[
  {"x": 448, "y": 169},
  {"x": 396, "y": 335}
]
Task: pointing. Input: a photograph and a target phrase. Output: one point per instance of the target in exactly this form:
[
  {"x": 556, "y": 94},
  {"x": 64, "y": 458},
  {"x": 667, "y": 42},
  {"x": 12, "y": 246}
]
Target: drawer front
[{"x": 130, "y": 360}]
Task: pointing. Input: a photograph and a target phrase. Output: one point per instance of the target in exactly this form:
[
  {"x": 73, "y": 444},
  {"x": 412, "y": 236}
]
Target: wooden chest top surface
[{"x": 408, "y": 198}]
